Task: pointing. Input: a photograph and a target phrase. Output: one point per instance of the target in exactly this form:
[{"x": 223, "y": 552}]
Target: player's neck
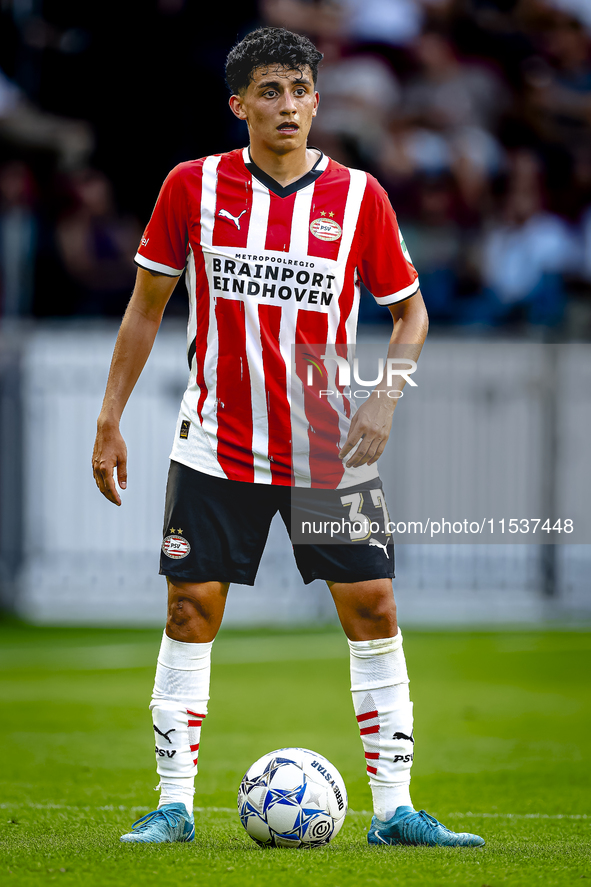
[{"x": 284, "y": 168}]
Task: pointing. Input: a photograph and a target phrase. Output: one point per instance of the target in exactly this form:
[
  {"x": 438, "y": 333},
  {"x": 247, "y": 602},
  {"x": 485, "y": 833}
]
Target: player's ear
[
  {"x": 316, "y": 101},
  {"x": 236, "y": 107}
]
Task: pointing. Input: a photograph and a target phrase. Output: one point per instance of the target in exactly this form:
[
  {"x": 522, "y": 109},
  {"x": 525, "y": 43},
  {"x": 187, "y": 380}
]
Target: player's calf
[{"x": 179, "y": 707}]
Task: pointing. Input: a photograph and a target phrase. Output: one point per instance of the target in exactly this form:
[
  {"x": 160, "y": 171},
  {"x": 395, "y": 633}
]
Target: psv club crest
[
  {"x": 176, "y": 546},
  {"x": 326, "y": 229}
]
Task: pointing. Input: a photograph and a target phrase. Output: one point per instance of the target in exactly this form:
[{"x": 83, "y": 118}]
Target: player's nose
[{"x": 288, "y": 104}]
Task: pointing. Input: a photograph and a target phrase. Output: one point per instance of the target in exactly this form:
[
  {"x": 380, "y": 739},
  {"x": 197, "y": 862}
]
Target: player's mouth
[{"x": 288, "y": 127}]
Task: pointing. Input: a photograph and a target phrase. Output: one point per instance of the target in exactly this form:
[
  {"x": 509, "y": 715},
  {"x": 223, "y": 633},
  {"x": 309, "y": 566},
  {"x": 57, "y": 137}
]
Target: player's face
[{"x": 278, "y": 107}]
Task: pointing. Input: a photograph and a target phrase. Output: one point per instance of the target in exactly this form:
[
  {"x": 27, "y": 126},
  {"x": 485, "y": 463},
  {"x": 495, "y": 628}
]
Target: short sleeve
[
  {"x": 164, "y": 246},
  {"x": 383, "y": 262}
]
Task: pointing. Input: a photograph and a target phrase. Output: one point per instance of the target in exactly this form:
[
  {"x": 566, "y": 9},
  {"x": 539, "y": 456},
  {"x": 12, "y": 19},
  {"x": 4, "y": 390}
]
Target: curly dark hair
[{"x": 269, "y": 46}]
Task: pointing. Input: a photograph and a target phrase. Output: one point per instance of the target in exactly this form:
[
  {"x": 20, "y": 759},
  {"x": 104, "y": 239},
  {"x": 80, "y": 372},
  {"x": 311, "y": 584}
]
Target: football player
[{"x": 275, "y": 239}]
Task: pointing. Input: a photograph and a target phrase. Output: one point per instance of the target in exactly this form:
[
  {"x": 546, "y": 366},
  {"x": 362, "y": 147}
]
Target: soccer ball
[{"x": 292, "y": 797}]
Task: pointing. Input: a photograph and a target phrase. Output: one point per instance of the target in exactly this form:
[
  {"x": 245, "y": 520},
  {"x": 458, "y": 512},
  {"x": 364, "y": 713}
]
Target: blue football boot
[
  {"x": 418, "y": 829},
  {"x": 166, "y": 825}
]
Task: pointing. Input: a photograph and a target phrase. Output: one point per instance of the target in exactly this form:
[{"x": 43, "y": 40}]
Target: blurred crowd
[{"x": 475, "y": 115}]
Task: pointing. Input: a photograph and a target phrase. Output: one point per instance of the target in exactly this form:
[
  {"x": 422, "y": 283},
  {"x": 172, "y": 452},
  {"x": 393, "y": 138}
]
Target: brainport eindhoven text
[{"x": 239, "y": 277}]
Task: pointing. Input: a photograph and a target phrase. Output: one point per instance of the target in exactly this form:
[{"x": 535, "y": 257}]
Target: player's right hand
[{"x": 109, "y": 453}]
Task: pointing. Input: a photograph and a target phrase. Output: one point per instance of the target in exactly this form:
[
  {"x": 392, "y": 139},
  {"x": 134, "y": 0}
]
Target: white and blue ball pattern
[{"x": 292, "y": 797}]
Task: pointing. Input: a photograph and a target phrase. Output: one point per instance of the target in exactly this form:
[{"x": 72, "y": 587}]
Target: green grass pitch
[{"x": 503, "y": 741}]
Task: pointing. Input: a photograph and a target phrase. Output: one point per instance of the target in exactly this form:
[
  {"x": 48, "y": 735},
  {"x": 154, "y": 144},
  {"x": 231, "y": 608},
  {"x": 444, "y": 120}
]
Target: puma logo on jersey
[
  {"x": 236, "y": 219},
  {"x": 373, "y": 541}
]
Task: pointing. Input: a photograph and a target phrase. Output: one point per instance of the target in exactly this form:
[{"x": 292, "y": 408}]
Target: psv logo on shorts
[{"x": 176, "y": 547}]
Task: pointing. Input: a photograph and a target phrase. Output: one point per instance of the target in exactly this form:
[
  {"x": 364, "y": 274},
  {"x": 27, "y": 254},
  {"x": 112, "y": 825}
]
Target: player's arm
[
  {"x": 132, "y": 349},
  {"x": 372, "y": 422}
]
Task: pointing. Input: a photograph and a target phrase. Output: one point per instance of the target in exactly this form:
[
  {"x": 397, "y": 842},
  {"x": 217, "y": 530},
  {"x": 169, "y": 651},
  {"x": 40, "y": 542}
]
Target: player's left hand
[{"x": 371, "y": 425}]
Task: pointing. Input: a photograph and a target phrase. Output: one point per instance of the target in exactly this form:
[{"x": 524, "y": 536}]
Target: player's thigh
[{"x": 214, "y": 529}]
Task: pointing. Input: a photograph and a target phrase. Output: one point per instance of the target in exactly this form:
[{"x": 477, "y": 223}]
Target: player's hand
[
  {"x": 371, "y": 425},
  {"x": 109, "y": 453}
]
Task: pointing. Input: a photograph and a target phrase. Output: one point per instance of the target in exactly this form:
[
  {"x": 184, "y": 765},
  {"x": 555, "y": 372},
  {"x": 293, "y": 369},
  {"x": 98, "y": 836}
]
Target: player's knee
[
  {"x": 183, "y": 609},
  {"x": 379, "y": 612},
  {"x": 191, "y": 606}
]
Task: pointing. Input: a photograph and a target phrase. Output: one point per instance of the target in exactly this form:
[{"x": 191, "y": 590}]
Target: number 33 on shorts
[{"x": 365, "y": 524}]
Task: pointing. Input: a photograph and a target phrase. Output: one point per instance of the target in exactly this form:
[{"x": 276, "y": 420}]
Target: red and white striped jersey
[{"x": 270, "y": 268}]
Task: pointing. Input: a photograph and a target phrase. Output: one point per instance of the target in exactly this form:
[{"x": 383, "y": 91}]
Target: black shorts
[{"x": 215, "y": 529}]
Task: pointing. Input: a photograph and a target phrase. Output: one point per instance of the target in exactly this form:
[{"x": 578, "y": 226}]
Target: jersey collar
[{"x": 274, "y": 186}]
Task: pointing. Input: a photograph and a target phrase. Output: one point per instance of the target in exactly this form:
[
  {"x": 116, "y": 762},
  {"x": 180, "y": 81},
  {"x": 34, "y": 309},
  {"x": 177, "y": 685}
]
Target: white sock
[
  {"x": 379, "y": 686},
  {"x": 178, "y": 706}
]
